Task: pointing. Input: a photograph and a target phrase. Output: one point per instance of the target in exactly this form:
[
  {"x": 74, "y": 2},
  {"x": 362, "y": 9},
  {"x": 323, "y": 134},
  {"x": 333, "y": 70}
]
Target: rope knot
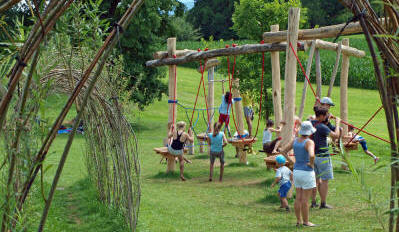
[
  {"x": 198, "y": 50},
  {"x": 174, "y": 56},
  {"x": 262, "y": 42},
  {"x": 227, "y": 46},
  {"x": 206, "y": 49},
  {"x": 234, "y": 45}
]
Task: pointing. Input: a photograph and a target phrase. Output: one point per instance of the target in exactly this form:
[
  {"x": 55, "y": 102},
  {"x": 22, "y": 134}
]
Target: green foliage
[
  {"x": 213, "y": 18},
  {"x": 253, "y": 17},
  {"x": 183, "y": 30}
]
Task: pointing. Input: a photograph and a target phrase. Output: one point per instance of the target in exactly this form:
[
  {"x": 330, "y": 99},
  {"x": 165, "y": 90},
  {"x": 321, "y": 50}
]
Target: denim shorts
[
  {"x": 323, "y": 168},
  {"x": 248, "y": 112},
  {"x": 213, "y": 156},
  {"x": 284, "y": 189}
]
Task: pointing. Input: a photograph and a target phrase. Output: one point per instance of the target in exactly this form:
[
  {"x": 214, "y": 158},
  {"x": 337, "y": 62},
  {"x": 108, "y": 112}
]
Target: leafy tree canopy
[
  {"x": 213, "y": 18},
  {"x": 253, "y": 17}
]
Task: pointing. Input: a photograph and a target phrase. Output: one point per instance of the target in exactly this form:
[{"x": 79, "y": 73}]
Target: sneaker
[
  {"x": 325, "y": 206},
  {"x": 314, "y": 205},
  {"x": 376, "y": 160},
  {"x": 287, "y": 209}
]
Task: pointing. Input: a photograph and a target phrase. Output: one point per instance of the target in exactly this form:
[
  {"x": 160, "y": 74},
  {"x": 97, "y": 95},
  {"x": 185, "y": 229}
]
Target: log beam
[
  {"x": 231, "y": 51},
  {"x": 316, "y": 33},
  {"x": 164, "y": 54},
  {"x": 348, "y": 51}
]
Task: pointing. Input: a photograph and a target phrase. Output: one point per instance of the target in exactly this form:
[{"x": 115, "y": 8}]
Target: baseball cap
[
  {"x": 280, "y": 159},
  {"x": 327, "y": 100}
]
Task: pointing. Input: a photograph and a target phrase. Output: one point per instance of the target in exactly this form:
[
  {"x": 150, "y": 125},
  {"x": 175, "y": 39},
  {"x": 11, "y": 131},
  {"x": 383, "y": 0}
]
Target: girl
[
  {"x": 304, "y": 175},
  {"x": 177, "y": 146},
  {"x": 225, "y": 109},
  {"x": 270, "y": 146},
  {"x": 217, "y": 140}
]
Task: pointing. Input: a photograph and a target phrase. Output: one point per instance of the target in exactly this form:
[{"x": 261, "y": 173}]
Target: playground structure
[{"x": 274, "y": 42}]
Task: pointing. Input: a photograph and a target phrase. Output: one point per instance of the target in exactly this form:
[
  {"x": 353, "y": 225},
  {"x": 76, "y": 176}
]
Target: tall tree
[{"x": 213, "y": 18}]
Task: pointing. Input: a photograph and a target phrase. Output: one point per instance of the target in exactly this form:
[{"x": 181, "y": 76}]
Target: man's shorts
[
  {"x": 213, "y": 156},
  {"x": 284, "y": 189},
  {"x": 304, "y": 179},
  {"x": 248, "y": 112},
  {"x": 224, "y": 118},
  {"x": 323, "y": 168}
]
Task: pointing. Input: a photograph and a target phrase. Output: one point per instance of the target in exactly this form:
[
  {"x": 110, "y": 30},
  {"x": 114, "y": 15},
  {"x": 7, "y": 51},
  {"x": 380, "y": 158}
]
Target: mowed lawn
[{"x": 244, "y": 200}]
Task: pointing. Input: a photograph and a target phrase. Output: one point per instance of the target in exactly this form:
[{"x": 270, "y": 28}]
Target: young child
[
  {"x": 216, "y": 140},
  {"x": 362, "y": 142},
  {"x": 270, "y": 146},
  {"x": 284, "y": 178},
  {"x": 225, "y": 110}
]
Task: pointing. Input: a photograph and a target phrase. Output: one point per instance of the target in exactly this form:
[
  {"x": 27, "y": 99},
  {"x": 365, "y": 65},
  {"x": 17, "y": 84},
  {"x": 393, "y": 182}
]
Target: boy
[
  {"x": 284, "y": 178},
  {"x": 362, "y": 142}
]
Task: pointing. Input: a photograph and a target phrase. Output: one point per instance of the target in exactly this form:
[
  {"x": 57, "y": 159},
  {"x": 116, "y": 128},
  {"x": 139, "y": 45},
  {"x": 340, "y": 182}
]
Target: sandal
[{"x": 309, "y": 225}]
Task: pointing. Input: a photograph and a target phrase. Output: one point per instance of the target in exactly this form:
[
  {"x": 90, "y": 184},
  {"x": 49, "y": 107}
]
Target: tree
[
  {"x": 150, "y": 27},
  {"x": 213, "y": 18},
  {"x": 253, "y": 17}
]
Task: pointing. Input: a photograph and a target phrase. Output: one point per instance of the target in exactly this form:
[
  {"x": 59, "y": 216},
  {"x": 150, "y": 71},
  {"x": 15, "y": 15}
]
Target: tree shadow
[{"x": 170, "y": 175}]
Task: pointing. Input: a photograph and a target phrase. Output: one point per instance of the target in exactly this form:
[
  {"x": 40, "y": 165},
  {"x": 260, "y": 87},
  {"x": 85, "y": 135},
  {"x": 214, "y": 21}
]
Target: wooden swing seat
[
  {"x": 271, "y": 162},
  {"x": 241, "y": 143},
  {"x": 354, "y": 145},
  {"x": 163, "y": 151}
]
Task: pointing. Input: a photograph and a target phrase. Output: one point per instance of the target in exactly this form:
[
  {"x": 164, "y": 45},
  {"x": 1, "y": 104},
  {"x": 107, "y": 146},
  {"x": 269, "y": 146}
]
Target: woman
[
  {"x": 177, "y": 146},
  {"x": 225, "y": 109},
  {"x": 217, "y": 140},
  {"x": 304, "y": 175}
]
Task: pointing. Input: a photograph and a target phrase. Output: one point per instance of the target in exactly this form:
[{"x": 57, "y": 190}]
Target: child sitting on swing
[
  {"x": 270, "y": 146},
  {"x": 362, "y": 142}
]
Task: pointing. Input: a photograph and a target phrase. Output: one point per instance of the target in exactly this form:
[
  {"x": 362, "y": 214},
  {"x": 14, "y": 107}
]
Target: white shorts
[{"x": 304, "y": 179}]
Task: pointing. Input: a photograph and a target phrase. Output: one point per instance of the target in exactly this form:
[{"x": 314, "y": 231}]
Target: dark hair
[
  {"x": 350, "y": 128},
  {"x": 227, "y": 97},
  {"x": 216, "y": 127},
  {"x": 320, "y": 111},
  {"x": 269, "y": 123}
]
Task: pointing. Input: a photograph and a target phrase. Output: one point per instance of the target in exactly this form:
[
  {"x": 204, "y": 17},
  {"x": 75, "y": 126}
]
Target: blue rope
[{"x": 197, "y": 109}]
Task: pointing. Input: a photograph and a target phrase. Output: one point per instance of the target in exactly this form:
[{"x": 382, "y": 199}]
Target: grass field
[{"x": 242, "y": 202}]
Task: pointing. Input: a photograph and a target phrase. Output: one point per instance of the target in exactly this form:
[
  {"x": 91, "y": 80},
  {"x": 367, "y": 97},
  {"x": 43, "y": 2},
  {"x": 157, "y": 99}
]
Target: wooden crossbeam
[
  {"x": 316, "y": 33},
  {"x": 349, "y": 51},
  {"x": 238, "y": 50}
]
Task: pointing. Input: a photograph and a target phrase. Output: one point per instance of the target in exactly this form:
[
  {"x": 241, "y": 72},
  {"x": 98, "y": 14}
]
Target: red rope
[
  {"x": 317, "y": 99},
  {"x": 199, "y": 87},
  {"x": 261, "y": 91},
  {"x": 203, "y": 85}
]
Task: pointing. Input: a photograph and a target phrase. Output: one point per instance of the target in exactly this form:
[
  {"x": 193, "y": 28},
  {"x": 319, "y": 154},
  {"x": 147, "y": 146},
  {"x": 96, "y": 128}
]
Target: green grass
[{"x": 242, "y": 202}]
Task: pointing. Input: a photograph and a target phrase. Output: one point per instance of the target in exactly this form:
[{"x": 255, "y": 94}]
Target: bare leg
[
  {"x": 221, "y": 172},
  {"x": 249, "y": 123},
  {"x": 211, "y": 171},
  {"x": 305, "y": 206},
  {"x": 297, "y": 205},
  {"x": 314, "y": 190},
  {"x": 284, "y": 202},
  {"x": 323, "y": 190},
  {"x": 181, "y": 161}
]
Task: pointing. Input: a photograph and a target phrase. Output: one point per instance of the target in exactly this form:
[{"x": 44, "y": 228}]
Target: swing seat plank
[{"x": 241, "y": 143}]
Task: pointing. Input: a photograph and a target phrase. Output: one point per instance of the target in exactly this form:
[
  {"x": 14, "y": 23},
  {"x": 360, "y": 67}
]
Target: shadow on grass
[
  {"x": 81, "y": 207},
  {"x": 170, "y": 175},
  {"x": 204, "y": 156},
  {"x": 137, "y": 126},
  {"x": 269, "y": 198},
  {"x": 250, "y": 164}
]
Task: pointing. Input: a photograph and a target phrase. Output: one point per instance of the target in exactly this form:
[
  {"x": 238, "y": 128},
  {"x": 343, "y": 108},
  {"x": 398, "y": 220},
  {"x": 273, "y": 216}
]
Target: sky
[{"x": 188, "y": 3}]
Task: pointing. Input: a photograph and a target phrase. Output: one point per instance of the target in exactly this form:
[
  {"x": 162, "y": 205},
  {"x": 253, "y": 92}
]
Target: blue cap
[{"x": 280, "y": 159}]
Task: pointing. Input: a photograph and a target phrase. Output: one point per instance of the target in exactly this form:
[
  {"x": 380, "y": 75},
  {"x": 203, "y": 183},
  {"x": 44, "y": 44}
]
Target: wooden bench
[
  {"x": 242, "y": 145},
  {"x": 163, "y": 151}
]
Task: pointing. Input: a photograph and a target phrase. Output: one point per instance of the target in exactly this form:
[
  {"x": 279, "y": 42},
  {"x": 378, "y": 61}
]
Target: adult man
[{"x": 323, "y": 166}]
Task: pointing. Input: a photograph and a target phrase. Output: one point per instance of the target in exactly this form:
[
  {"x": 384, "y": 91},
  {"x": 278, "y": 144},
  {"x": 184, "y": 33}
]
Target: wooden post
[
  {"x": 171, "y": 164},
  {"x": 318, "y": 73},
  {"x": 172, "y": 84},
  {"x": 335, "y": 70},
  {"x": 305, "y": 82},
  {"x": 290, "y": 75},
  {"x": 344, "y": 88},
  {"x": 239, "y": 116},
  {"x": 276, "y": 85}
]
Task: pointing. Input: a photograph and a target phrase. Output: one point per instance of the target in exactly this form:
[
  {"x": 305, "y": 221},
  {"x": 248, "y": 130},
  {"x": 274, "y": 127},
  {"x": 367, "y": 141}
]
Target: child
[
  {"x": 270, "y": 146},
  {"x": 284, "y": 178},
  {"x": 225, "y": 109},
  {"x": 362, "y": 142},
  {"x": 216, "y": 140}
]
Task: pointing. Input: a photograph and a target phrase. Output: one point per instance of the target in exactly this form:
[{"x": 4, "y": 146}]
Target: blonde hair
[{"x": 181, "y": 125}]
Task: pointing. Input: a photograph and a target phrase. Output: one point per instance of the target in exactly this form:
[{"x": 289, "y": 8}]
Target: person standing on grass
[
  {"x": 216, "y": 140},
  {"x": 362, "y": 142},
  {"x": 304, "y": 175},
  {"x": 248, "y": 112},
  {"x": 323, "y": 164},
  {"x": 284, "y": 178},
  {"x": 176, "y": 148},
  {"x": 225, "y": 110}
]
